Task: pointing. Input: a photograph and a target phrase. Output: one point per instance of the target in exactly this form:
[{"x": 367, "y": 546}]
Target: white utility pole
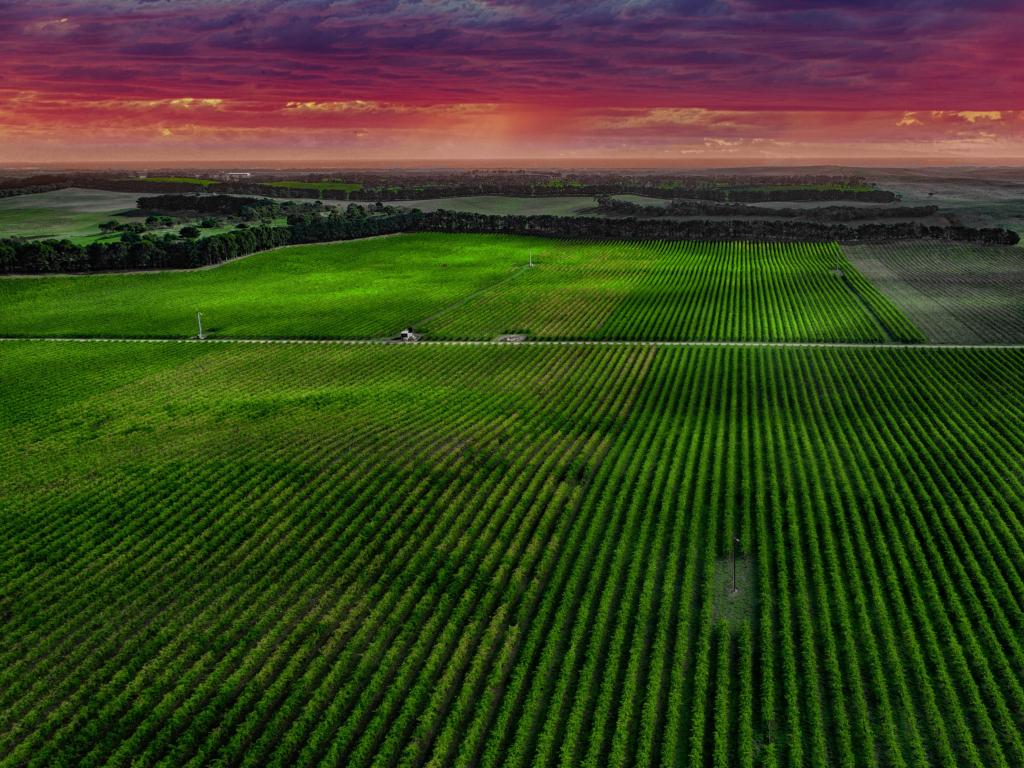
[{"x": 199, "y": 319}]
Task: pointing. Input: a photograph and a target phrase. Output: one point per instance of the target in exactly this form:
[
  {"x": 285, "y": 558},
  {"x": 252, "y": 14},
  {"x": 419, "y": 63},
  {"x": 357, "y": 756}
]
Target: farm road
[{"x": 526, "y": 342}]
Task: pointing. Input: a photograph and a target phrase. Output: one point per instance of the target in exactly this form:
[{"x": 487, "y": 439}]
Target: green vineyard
[
  {"x": 955, "y": 293},
  {"x": 478, "y": 287},
  {"x": 668, "y": 291},
  {"x": 292, "y": 555}
]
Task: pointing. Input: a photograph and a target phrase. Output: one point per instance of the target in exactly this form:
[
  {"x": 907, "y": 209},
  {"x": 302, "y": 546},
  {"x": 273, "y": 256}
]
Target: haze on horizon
[{"x": 702, "y": 81}]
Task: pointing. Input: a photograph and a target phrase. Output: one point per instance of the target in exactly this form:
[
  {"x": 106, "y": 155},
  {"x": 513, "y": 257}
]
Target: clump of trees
[
  {"x": 29, "y": 190},
  {"x": 793, "y": 193},
  {"x": 110, "y": 227},
  {"x": 224, "y": 205}
]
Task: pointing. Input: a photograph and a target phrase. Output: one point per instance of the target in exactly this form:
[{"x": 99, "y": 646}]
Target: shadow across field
[{"x": 955, "y": 293}]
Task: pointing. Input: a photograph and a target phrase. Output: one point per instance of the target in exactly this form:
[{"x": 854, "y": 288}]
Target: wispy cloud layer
[{"x": 369, "y": 78}]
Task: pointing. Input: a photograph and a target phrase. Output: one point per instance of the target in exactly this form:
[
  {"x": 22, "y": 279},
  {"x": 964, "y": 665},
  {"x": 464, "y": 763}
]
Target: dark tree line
[
  {"x": 38, "y": 180},
  {"x": 13, "y": 192},
  {"x": 135, "y": 252},
  {"x": 527, "y": 188},
  {"x": 615, "y": 206},
  {"x": 138, "y": 253},
  {"x": 385, "y": 187},
  {"x": 768, "y": 194},
  {"x": 748, "y": 194},
  {"x": 425, "y": 184},
  {"x": 705, "y": 229}
]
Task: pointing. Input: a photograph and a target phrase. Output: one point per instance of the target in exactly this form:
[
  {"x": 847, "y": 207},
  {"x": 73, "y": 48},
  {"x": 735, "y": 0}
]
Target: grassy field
[
  {"x": 75, "y": 214},
  {"x": 954, "y": 293},
  {"x": 501, "y": 205},
  {"x": 973, "y": 197},
  {"x": 180, "y": 180},
  {"x": 477, "y": 286},
  {"x": 661, "y": 202},
  {"x": 45, "y": 222},
  {"x": 347, "y": 186},
  {"x": 320, "y": 555},
  {"x": 362, "y": 288}
]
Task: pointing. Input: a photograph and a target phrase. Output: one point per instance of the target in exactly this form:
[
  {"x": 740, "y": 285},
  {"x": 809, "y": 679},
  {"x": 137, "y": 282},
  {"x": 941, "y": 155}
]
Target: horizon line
[{"x": 638, "y": 163}]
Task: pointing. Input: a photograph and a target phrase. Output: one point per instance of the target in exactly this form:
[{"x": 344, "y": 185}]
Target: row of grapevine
[
  {"x": 662, "y": 290},
  {"x": 511, "y": 556},
  {"x": 954, "y": 292}
]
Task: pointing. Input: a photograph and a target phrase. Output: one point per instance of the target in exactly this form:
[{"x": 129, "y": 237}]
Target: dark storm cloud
[{"x": 757, "y": 53}]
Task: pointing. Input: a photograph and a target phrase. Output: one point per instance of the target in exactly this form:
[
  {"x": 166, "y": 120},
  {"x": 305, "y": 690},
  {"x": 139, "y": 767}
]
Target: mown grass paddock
[
  {"x": 318, "y": 186},
  {"x": 308, "y": 554},
  {"x": 65, "y": 213}
]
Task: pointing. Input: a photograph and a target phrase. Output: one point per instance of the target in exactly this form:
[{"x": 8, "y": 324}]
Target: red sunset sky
[{"x": 707, "y": 80}]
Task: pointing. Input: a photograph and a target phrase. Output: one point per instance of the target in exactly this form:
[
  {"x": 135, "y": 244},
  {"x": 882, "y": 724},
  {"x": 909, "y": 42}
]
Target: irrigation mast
[{"x": 199, "y": 319}]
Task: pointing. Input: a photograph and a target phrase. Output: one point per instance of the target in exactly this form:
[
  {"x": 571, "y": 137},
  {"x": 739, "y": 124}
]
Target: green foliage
[
  {"x": 83, "y": 216},
  {"x": 317, "y": 185},
  {"x": 563, "y": 184},
  {"x": 439, "y": 555},
  {"x": 478, "y": 286},
  {"x": 371, "y": 287},
  {"x": 676, "y": 291},
  {"x": 180, "y": 180},
  {"x": 506, "y": 205}
]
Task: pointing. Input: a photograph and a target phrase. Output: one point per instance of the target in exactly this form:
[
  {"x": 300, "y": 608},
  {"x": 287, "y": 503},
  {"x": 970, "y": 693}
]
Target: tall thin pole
[{"x": 199, "y": 319}]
